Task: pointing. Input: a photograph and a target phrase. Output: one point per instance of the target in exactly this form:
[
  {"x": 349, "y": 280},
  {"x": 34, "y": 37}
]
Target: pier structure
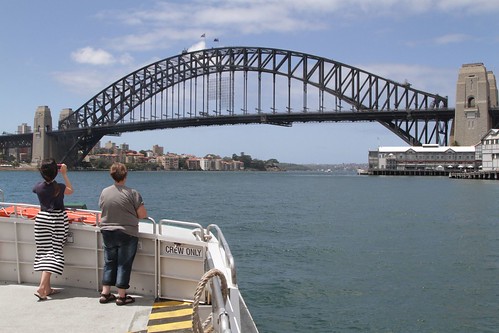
[{"x": 490, "y": 175}]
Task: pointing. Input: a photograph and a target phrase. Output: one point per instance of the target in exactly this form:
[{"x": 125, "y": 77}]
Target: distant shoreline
[
  {"x": 284, "y": 167},
  {"x": 18, "y": 169}
]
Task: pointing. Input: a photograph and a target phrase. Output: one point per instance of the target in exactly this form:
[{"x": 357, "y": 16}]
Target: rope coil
[{"x": 207, "y": 326}]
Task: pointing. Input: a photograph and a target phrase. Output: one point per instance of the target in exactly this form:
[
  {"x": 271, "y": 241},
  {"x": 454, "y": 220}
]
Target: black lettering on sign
[{"x": 183, "y": 251}]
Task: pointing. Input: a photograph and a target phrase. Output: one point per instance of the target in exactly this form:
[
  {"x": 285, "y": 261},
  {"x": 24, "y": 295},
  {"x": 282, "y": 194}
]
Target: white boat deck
[
  {"x": 72, "y": 310},
  {"x": 172, "y": 258}
]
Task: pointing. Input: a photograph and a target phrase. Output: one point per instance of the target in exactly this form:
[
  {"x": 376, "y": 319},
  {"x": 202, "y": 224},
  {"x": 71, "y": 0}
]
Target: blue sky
[{"x": 61, "y": 53}]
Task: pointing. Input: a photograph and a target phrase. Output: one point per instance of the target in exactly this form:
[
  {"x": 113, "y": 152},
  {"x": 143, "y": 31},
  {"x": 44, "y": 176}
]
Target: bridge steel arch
[{"x": 242, "y": 85}]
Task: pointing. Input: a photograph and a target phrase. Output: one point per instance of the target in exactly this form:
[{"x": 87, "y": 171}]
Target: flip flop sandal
[
  {"x": 40, "y": 297},
  {"x": 125, "y": 300},
  {"x": 106, "y": 298}
]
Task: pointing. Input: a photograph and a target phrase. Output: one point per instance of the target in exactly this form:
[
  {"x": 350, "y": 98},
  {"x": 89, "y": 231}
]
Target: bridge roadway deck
[{"x": 72, "y": 310}]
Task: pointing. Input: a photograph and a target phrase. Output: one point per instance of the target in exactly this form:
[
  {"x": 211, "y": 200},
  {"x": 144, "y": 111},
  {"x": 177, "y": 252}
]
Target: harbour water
[{"x": 328, "y": 252}]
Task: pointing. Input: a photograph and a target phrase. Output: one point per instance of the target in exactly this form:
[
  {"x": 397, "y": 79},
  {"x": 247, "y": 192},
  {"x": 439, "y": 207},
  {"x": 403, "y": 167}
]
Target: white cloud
[
  {"x": 126, "y": 59},
  {"x": 468, "y": 6},
  {"x": 169, "y": 21},
  {"x": 89, "y": 55},
  {"x": 452, "y": 38},
  {"x": 85, "y": 83},
  {"x": 201, "y": 45},
  {"x": 89, "y": 82}
]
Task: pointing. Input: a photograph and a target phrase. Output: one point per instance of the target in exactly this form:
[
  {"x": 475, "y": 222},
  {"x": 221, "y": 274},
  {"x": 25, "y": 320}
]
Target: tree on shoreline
[{"x": 255, "y": 164}]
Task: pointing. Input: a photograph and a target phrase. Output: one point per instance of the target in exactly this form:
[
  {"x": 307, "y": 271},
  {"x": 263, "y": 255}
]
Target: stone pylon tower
[
  {"x": 41, "y": 141},
  {"x": 476, "y": 92}
]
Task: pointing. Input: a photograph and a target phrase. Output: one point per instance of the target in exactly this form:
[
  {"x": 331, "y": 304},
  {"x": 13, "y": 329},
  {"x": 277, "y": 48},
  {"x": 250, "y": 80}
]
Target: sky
[{"x": 61, "y": 53}]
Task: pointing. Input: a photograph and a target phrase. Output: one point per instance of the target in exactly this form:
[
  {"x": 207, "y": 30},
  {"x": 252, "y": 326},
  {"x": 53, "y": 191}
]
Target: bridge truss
[{"x": 241, "y": 85}]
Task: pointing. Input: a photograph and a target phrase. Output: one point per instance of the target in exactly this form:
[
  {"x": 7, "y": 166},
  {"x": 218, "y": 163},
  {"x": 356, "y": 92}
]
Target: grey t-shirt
[{"x": 119, "y": 206}]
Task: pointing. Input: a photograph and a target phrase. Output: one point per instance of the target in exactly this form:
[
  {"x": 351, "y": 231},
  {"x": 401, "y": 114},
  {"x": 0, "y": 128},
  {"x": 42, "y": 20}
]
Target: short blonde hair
[{"x": 118, "y": 171}]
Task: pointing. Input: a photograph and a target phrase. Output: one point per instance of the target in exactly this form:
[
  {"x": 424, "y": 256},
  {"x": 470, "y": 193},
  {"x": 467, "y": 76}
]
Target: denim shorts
[{"x": 119, "y": 253}]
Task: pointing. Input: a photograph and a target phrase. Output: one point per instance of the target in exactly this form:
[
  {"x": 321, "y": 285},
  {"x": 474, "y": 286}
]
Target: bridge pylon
[
  {"x": 46, "y": 145},
  {"x": 476, "y": 94}
]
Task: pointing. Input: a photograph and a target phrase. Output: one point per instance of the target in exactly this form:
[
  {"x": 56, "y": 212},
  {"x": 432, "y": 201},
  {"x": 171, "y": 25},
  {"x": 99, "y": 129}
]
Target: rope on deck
[{"x": 207, "y": 326}]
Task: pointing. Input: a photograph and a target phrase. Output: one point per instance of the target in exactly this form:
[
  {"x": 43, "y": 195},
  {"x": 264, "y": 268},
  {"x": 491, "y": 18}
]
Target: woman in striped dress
[{"x": 51, "y": 225}]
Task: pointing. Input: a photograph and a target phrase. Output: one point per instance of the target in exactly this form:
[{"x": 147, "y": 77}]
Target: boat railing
[
  {"x": 221, "y": 318},
  {"x": 84, "y": 254},
  {"x": 153, "y": 222},
  {"x": 2, "y": 197},
  {"x": 222, "y": 243},
  {"x": 198, "y": 228},
  {"x": 29, "y": 211},
  {"x": 17, "y": 209}
]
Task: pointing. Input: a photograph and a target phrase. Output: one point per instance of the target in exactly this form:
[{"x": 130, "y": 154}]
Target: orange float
[{"x": 30, "y": 213}]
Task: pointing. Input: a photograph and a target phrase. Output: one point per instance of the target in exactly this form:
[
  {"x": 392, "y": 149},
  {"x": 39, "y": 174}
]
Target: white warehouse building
[
  {"x": 489, "y": 150},
  {"x": 426, "y": 157}
]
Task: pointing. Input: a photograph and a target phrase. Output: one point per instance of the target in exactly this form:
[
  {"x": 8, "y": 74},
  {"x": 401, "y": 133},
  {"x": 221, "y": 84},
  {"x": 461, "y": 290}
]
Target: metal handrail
[
  {"x": 15, "y": 205},
  {"x": 16, "y": 211},
  {"x": 218, "y": 306},
  {"x": 153, "y": 223},
  {"x": 183, "y": 224},
  {"x": 228, "y": 254}
]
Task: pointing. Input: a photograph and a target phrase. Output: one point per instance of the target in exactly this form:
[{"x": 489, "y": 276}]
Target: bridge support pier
[
  {"x": 476, "y": 93},
  {"x": 41, "y": 127},
  {"x": 46, "y": 145}
]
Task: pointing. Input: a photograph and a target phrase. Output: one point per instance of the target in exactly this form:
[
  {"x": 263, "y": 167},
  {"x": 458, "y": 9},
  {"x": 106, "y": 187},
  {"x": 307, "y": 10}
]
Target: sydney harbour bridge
[{"x": 244, "y": 85}]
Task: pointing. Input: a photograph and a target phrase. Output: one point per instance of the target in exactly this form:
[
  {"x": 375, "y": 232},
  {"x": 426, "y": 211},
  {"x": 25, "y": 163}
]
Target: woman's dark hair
[{"x": 48, "y": 170}]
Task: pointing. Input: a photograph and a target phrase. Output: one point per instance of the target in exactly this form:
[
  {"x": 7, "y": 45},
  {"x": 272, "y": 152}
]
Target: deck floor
[{"x": 72, "y": 310}]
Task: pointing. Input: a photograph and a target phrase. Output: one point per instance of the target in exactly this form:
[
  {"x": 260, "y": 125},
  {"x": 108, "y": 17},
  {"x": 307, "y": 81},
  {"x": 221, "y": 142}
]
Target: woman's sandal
[
  {"x": 125, "y": 300},
  {"x": 40, "y": 297},
  {"x": 44, "y": 297},
  {"x": 106, "y": 298}
]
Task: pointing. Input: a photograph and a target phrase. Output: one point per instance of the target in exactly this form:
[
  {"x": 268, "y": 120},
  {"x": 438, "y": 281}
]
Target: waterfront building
[
  {"x": 232, "y": 165},
  {"x": 108, "y": 157},
  {"x": 22, "y": 154},
  {"x": 157, "y": 150},
  {"x": 125, "y": 147},
  {"x": 193, "y": 163},
  {"x": 110, "y": 145},
  {"x": 205, "y": 164},
  {"x": 426, "y": 157},
  {"x": 490, "y": 150},
  {"x": 170, "y": 161},
  {"x": 134, "y": 157},
  {"x": 23, "y": 128}
]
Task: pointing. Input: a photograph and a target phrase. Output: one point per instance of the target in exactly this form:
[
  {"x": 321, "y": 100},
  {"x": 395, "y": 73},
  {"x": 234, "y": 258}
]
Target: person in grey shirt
[{"x": 122, "y": 207}]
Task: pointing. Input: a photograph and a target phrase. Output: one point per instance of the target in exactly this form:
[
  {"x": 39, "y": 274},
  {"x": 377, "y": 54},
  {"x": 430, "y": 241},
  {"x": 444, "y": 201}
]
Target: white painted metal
[{"x": 171, "y": 259}]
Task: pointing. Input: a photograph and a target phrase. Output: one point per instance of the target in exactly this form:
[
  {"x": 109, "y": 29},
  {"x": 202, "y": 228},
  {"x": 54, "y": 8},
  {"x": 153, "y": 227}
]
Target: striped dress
[{"x": 51, "y": 232}]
